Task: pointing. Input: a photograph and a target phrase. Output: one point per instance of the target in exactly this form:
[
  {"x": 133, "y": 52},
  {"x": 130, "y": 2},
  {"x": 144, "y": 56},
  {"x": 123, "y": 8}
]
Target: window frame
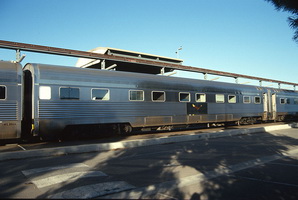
[
  {"x": 284, "y": 100},
  {"x": 260, "y": 100},
  {"x": 108, "y": 92},
  {"x": 40, "y": 92},
  {"x": 129, "y": 95},
  {"x": 164, "y": 96},
  {"x": 246, "y": 102},
  {"x": 288, "y": 101},
  {"x": 232, "y": 95},
  {"x": 69, "y": 88},
  {"x": 205, "y": 97},
  {"x": 187, "y": 93},
  {"x": 5, "y": 92},
  {"x": 217, "y": 96}
]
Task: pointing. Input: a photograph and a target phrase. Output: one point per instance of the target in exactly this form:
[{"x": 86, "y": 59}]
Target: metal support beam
[
  {"x": 111, "y": 67},
  {"x": 98, "y": 56},
  {"x": 214, "y": 79},
  {"x": 260, "y": 83},
  {"x": 19, "y": 56},
  {"x": 205, "y": 76},
  {"x": 103, "y": 64},
  {"x": 170, "y": 74},
  {"x": 236, "y": 80},
  {"x": 162, "y": 71}
]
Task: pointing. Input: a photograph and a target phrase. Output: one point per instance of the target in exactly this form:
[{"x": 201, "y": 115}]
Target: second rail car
[{"x": 57, "y": 97}]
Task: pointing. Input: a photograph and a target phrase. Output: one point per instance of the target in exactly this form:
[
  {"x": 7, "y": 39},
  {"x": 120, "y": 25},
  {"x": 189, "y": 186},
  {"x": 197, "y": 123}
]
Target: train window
[
  {"x": 45, "y": 92},
  {"x": 2, "y": 92},
  {"x": 158, "y": 96},
  {"x": 288, "y": 101},
  {"x": 246, "y": 99},
  {"x": 295, "y": 101},
  {"x": 282, "y": 101},
  {"x": 257, "y": 100},
  {"x": 219, "y": 98},
  {"x": 69, "y": 93},
  {"x": 100, "y": 94},
  {"x": 200, "y": 97},
  {"x": 184, "y": 97},
  {"x": 136, "y": 95},
  {"x": 232, "y": 98}
]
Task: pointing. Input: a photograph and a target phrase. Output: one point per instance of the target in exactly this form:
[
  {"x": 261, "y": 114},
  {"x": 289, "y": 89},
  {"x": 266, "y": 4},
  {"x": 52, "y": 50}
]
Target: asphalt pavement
[{"x": 254, "y": 165}]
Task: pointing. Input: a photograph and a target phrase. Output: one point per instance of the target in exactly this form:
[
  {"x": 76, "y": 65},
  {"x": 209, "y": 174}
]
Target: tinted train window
[
  {"x": 136, "y": 95},
  {"x": 100, "y": 94},
  {"x": 282, "y": 101},
  {"x": 158, "y": 96},
  {"x": 184, "y": 97},
  {"x": 45, "y": 92},
  {"x": 257, "y": 100},
  {"x": 232, "y": 99},
  {"x": 288, "y": 101},
  {"x": 69, "y": 93},
  {"x": 246, "y": 99},
  {"x": 200, "y": 97},
  {"x": 2, "y": 92},
  {"x": 295, "y": 101},
  {"x": 219, "y": 98}
]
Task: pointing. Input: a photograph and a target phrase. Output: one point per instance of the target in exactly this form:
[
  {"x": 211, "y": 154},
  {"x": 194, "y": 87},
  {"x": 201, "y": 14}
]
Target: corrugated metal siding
[
  {"x": 56, "y": 110},
  {"x": 8, "y": 76},
  {"x": 8, "y": 111}
]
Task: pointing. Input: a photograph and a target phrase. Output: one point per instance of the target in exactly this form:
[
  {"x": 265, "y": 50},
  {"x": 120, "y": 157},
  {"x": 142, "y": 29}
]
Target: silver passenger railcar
[
  {"x": 60, "y": 97},
  {"x": 10, "y": 100},
  {"x": 43, "y": 100}
]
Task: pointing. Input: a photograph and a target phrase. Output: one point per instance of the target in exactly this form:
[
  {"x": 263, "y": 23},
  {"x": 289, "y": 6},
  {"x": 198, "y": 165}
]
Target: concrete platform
[{"x": 22, "y": 153}]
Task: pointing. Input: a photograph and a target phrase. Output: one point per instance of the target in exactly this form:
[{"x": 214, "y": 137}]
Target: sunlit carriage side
[
  {"x": 10, "y": 100},
  {"x": 67, "y": 96}
]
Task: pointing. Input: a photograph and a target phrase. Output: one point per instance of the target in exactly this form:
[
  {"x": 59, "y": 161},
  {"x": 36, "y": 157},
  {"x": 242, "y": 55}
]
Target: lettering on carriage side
[
  {"x": 9, "y": 124},
  {"x": 197, "y": 108}
]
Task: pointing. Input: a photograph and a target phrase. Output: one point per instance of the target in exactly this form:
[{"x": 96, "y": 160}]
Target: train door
[
  {"x": 27, "y": 111},
  {"x": 266, "y": 106},
  {"x": 273, "y": 104},
  {"x": 269, "y": 102}
]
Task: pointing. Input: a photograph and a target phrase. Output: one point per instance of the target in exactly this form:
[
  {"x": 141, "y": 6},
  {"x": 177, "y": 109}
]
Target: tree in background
[{"x": 292, "y": 7}]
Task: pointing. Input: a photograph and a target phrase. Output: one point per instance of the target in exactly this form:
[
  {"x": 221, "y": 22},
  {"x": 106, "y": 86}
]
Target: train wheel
[
  {"x": 280, "y": 118},
  {"x": 126, "y": 128}
]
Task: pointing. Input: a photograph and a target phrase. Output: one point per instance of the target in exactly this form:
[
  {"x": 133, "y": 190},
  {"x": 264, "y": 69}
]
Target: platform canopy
[
  {"x": 127, "y": 61},
  {"x": 127, "y": 66}
]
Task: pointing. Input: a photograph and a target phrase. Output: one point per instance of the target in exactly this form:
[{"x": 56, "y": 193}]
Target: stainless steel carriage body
[
  {"x": 10, "y": 100},
  {"x": 64, "y": 96}
]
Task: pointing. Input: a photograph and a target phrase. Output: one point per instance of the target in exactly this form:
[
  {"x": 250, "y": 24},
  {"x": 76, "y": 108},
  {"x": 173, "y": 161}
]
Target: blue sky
[{"x": 247, "y": 37}]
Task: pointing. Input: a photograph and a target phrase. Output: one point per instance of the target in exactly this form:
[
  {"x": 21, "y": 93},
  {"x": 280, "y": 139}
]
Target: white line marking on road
[
  {"x": 66, "y": 177},
  {"x": 94, "y": 190},
  {"x": 22, "y": 147},
  {"x": 264, "y": 181},
  {"x": 47, "y": 169}
]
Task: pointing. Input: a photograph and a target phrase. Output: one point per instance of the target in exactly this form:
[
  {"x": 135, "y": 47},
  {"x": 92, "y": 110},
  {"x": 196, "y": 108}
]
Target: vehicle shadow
[{"x": 171, "y": 171}]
